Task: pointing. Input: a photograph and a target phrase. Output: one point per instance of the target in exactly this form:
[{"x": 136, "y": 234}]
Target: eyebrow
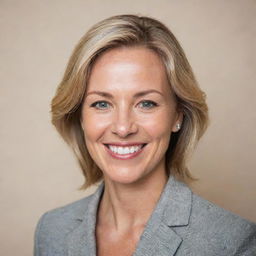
[{"x": 137, "y": 95}]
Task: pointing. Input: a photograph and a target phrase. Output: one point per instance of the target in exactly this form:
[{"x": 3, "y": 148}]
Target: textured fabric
[{"x": 182, "y": 224}]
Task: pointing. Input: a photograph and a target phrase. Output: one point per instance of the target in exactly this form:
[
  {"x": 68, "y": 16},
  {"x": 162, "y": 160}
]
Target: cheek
[
  {"x": 157, "y": 130},
  {"x": 94, "y": 125},
  {"x": 158, "y": 125}
]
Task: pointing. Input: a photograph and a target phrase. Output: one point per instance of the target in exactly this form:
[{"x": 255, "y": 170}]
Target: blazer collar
[
  {"x": 81, "y": 241},
  {"x": 176, "y": 202},
  {"x": 159, "y": 238}
]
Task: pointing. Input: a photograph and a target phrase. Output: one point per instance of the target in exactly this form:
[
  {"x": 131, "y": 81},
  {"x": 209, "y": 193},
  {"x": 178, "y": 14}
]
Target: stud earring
[{"x": 177, "y": 126}]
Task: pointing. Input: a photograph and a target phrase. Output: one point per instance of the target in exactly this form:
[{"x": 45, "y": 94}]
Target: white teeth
[
  {"x": 124, "y": 150},
  {"x": 120, "y": 150}
]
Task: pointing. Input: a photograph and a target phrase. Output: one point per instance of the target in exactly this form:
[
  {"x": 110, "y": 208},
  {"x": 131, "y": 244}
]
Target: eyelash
[
  {"x": 94, "y": 105},
  {"x": 153, "y": 104}
]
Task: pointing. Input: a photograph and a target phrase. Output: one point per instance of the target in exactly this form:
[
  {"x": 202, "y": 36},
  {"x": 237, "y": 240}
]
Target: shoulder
[
  {"x": 63, "y": 215},
  {"x": 70, "y": 211},
  {"x": 219, "y": 226},
  {"x": 54, "y": 226},
  {"x": 204, "y": 210}
]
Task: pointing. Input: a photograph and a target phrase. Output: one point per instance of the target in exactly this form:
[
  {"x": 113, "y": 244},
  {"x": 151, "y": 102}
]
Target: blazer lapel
[
  {"x": 158, "y": 240},
  {"x": 81, "y": 241},
  {"x": 172, "y": 211}
]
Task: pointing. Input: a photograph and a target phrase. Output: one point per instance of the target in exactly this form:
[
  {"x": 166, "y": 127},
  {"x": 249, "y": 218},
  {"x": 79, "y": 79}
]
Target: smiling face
[{"x": 128, "y": 114}]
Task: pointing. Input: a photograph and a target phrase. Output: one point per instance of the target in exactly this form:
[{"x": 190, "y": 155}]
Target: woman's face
[{"x": 129, "y": 114}]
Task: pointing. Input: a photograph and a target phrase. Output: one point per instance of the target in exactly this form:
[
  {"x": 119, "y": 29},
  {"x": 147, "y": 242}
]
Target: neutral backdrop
[{"x": 39, "y": 172}]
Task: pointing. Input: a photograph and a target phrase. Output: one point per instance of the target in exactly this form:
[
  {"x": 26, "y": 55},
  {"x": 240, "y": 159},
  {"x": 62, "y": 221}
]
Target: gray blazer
[{"x": 182, "y": 224}]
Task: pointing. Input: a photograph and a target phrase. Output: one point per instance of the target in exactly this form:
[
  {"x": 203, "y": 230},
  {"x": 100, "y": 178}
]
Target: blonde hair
[{"x": 129, "y": 31}]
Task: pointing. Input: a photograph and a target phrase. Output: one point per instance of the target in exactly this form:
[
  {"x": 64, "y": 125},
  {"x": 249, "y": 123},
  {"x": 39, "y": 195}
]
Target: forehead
[
  {"x": 132, "y": 68},
  {"x": 129, "y": 54}
]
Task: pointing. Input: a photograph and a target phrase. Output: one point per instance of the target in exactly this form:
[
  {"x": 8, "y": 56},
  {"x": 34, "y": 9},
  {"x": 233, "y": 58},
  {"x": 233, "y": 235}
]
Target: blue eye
[
  {"x": 148, "y": 104},
  {"x": 100, "y": 105}
]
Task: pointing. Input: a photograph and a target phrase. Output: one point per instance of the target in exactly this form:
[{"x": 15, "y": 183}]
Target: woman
[{"x": 131, "y": 109}]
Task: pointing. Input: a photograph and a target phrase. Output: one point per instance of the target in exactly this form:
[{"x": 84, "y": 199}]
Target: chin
[{"x": 124, "y": 177}]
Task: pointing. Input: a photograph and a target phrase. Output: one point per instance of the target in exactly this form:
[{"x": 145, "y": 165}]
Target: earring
[{"x": 178, "y": 126}]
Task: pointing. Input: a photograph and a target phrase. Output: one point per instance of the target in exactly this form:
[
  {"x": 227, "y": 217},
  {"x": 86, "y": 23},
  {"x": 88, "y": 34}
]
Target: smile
[{"x": 124, "y": 152}]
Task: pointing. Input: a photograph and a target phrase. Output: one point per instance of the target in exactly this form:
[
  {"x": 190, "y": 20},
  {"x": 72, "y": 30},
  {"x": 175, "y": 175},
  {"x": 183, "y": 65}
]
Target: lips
[{"x": 124, "y": 151}]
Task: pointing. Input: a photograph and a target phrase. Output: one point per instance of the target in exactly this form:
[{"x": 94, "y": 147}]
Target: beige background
[{"x": 38, "y": 171}]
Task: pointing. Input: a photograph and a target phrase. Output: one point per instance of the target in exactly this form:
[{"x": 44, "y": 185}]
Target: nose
[{"x": 124, "y": 123}]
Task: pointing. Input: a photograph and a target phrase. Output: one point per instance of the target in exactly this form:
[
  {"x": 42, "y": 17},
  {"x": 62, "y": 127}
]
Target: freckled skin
[{"x": 123, "y": 73}]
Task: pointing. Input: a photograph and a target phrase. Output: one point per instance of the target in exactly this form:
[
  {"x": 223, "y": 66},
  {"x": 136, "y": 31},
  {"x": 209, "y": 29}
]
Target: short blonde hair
[{"x": 129, "y": 31}]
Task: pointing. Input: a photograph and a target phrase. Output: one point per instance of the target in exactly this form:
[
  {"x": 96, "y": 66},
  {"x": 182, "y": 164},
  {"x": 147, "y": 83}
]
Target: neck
[{"x": 127, "y": 206}]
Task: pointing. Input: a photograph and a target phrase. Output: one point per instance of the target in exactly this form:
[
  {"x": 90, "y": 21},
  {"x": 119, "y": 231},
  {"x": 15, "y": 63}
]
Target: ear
[{"x": 178, "y": 123}]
